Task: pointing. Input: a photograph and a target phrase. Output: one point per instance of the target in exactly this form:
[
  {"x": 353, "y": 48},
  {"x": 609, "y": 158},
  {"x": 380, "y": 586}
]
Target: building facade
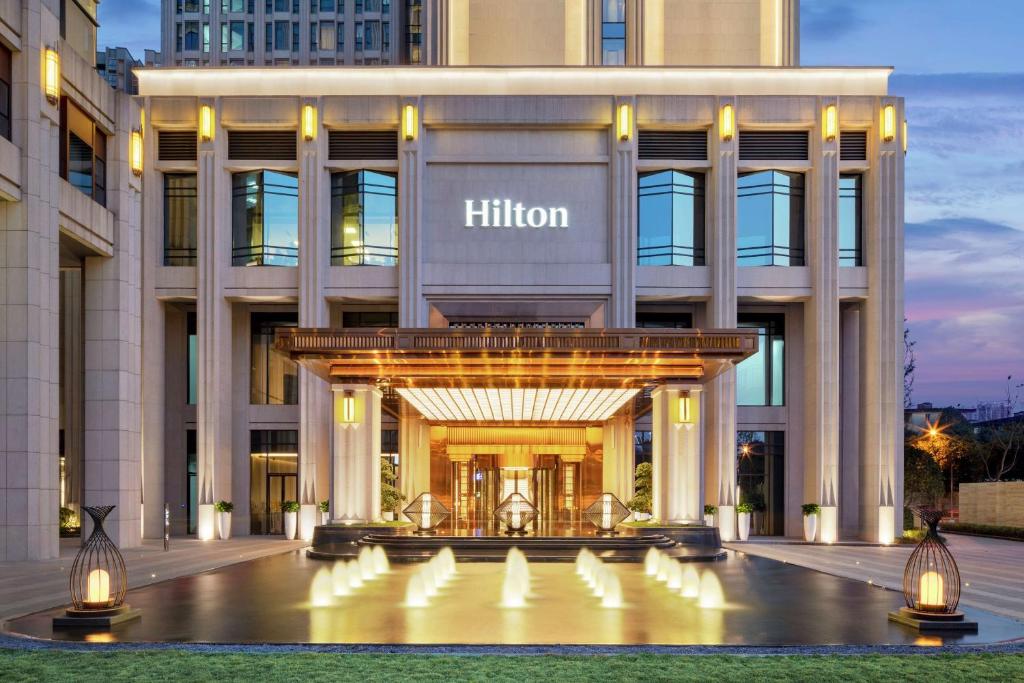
[{"x": 70, "y": 278}]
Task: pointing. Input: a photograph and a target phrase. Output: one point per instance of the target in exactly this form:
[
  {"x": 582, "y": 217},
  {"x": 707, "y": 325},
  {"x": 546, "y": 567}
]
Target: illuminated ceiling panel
[{"x": 516, "y": 404}]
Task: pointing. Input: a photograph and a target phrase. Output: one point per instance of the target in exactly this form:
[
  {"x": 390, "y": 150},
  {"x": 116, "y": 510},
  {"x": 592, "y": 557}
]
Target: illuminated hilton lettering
[{"x": 502, "y": 213}]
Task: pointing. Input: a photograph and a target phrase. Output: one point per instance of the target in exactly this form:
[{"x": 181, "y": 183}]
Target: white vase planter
[
  {"x": 325, "y": 517},
  {"x": 291, "y": 522},
  {"x": 641, "y": 516},
  {"x": 224, "y": 525},
  {"x": 709, "y": 520},
  {"x": 744, "y": 525},
  {"x": 389, "y": 515},
  {"x": 810, "y": 527}
]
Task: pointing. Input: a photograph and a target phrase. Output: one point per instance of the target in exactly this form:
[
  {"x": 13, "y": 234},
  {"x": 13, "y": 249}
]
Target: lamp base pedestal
[
  {"x": 933, "y": 622},
  {"x": 96, "y": 618}
]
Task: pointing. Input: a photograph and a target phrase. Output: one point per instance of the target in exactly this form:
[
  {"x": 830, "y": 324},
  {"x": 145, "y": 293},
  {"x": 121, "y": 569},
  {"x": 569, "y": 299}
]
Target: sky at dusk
[{"x": 960, "y": 69}]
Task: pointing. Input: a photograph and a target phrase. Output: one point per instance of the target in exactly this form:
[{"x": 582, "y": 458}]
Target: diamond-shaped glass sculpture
[
  {"x": 516, "y": 512},
  {"x": 426, "y": 512},
  {"x": 605, "y": 513}
]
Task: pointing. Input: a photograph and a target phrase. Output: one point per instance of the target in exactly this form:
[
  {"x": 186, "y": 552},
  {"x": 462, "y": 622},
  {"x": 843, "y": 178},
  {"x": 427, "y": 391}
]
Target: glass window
[
  {"x": 180, "y": 219},
  {"x": 191, "y": 35},
  {"x": 613, "y": 32},
  {"x": 359, "y": 36},
  {"x": 274, "y": 379},
  {"x": 643, "y": 446},
  {"x": 264, "y": 216},
  {"x": 224, "y": 37},
  {"x": 206, "y": 37},
  {"x": 760, "y": 378},
  {"x": 192, "y": 477},
  {"x": 191, "y": 5},
  {"x": 364, "y": 219},
  {"x": 314, "y": 33},
  {"x": 339, "y": 36},
  {"x": 273, "y": 477},
  {"x": 269, "y": 38},
  {"x": 327, "y": 36},
  {"x": 237, "y": 35},
  {"x": 193, "y": 357},
  {"x": 5, "y": 92},
  {"x": 281, "y": 35},
  {"x": 295, "y": 36},
  {"x": 280, "y": 5},
  {"x": 760, "y": 476},
  {"x": 369, "y": 319},
  {"x": 670, "y": 217},
  {"x": 770, "y": 219},
  {"x": 251, "y": 34},
  {"x": 664, "y": 319},
  {"x": 83, "y": 152},
  {"x": 850, "y": 220},
  {"x": 177, "y": 41}
]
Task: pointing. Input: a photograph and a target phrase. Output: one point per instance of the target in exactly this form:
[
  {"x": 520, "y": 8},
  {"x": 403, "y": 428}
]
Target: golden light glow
[
  {"x": 727, "y": 122},
  {"x": 97, "y": 587},
  {"x": 624, "y": 122},
  {"x": 889, "y": 123},
  {"x": 904, "y": 136},
  {"x": 685, "y": 413},
  {"x": 831, "y": 122},
  {"x": 135, "y": 152},
  {"x": 931, "y": 596},
  {"x": 206, "y": 123},
  {"x": 516, "y": 404},
  {"x": 51, "y": 77},
  {"x": 410, "y": 118},
  {"x": 308, "y": 122},
  {"x": 348, "y": 408}
]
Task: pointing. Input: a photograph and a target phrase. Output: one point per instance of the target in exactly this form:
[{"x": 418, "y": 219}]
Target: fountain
[
  {"x": 366, "y": 564},
  {"x": 711, "y": 595},
  {"x": 339, "y": 579},
  {"x": 380, "y": 560},
  {"x": 415, "y": 592},
  {"x": 652, "y": 561},
  {"x": 355, "y": 578},
  {"x": 600, "y": 576},
  {"x": 612, "y": 595},
  {"x": 664, "y": 567},
  {"x": 581, "y": 561},
  {"x": 691, "y": 582},
  {"x": 429, "y": 579},
  {"x": 517, "y": 579},
  {"x": 675, "y": 576},
  {"x": 321, "y": 591},
  {"x": 447, "y": 560}
]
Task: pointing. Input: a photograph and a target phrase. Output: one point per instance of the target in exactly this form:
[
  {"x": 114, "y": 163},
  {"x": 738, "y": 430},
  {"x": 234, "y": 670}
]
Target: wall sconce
[
  {"x": 348, "y": 408},
  {"x": 51, "y": 76},
  {"x": 409, "y": 121},
  {"x": 685, "y": 410},
  {"x": 727, "y": 122},
  {"x": 904, "y": 136},
  {"x": 135, "y": 152},
  {"x": 308, "y": 123},
  {"x": 624, "y": 122},
  {"x": 889, "y": 123},
  {"x": 206, "y": 123},
  {"x": 831, "y": 123}
]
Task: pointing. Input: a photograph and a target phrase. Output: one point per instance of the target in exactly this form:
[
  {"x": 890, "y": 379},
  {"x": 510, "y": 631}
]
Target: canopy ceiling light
[{"x": 516, "y": 404}]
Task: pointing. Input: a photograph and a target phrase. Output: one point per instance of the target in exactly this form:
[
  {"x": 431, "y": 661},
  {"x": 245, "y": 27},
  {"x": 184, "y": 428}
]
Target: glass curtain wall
[
  {"x": 274, "y": 377},
  {"x": 760, "y": 475},
  {"x": 759, "y": 378},
  {"x": 770, "y": 219},
  {"x": 273, "y": 477},
  {"x": 670, "y": 219},
  {"x": 613, "y": 32},
  {"x": 364, "y": 218},
  {"x": 181, "y": 214},
  {"x": 265, "y": 219}
]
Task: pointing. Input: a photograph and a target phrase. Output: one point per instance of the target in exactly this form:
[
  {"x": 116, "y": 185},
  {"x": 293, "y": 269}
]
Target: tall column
[
  {"x": 72, "y": 379},
  {"x": 622, "y": 311},
  {"x": 213, "y": 330},
  {"x": 678, "y": 482},
  {"x": 113, "y": 350},
  {"x": 617, "y": 462},
  {"x": 821, "y": 334},
  {"x": 412, "y": 309},
  {"x": 720, "y": 403},
  {"x": 29, "y": 312},
  {"x": 414, "y": 452},
  {"x": 882, "y": 337},
  {"x": 355, "y": 491},
  {"x": 314, "y": 252}
]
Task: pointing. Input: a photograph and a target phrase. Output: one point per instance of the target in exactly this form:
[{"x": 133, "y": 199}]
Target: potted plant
[
  {"x": 811, "y": 512},
  {"x": 709, "y": 515},
  {"x": 325, "y": 512},
  {"x": 743, "y": 512},
  {"x": 640, "y": 503},
  {"x": 223, "y": 509},
  {"x": 290, "y": 508},
  {"x": 390, "y": 497}
]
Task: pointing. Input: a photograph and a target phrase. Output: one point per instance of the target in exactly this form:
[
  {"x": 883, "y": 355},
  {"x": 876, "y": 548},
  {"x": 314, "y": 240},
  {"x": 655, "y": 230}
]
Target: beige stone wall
[
  {"x": 509, "y": 33},
  {"x": 993, "y": 502}
]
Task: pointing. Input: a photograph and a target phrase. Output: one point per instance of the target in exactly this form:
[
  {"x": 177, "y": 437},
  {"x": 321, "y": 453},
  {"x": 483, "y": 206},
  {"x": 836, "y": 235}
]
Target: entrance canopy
[{"x": 532, "y": 375}]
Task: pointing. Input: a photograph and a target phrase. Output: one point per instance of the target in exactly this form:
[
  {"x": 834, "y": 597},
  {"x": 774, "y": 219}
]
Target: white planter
[
  {"x": 709, "y": 520},
  {"x": 810, "y": 527},
  {"x": 389, "y": 515},
  {"x": 744, "y": 525},
  {"x": 641, "y": 516},
  {"x": 291, "y": 522},
  {"x": 224, "y": 525},
  {"x": 325, "y": 518}
]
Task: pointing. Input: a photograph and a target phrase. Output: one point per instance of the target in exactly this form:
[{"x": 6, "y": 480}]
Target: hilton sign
[{"x": 502, "y": 213}]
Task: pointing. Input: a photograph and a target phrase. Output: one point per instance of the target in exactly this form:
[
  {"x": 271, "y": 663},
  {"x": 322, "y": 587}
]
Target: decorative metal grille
[
  {"x": 426, "y": 512},
  {"x": 931, "y": 579},
  {"x": 99, "y": 579},
  {"x": 516, "y": 512},
  {"x": 606, "y": 513}
]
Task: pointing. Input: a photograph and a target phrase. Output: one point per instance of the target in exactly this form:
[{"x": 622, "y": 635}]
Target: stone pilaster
[
  {"x": 412, "y": 308},
  {"x": 720, "y": 403},
  {"x": 678, "y": 483},
  {"x": 617, "y": 463},
  {"x": 414, "y": 452},
  {"x": 622, "y": 306},
  {"x": 821, "y": 333},
  {"x": 72, "y": 384},
  {"x": 355, "y": 491}
]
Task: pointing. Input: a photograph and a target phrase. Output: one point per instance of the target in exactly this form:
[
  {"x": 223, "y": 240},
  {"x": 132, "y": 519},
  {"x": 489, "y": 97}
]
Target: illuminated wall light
[
  {"x": 831, "y": 122},
  {"x": 889, "y": 123},
  {"x": 409, "y": 121},
  {"x": 206, "y": 123},
  {"x": 727, "y": 123},
  {"x": 624, "y": 122},
  {"x": 51, "y": 77},
  {"x": 348, "y": 408},
  {"x": 309, "y": 123},
  {"x": 904, "y": 136},
  {"x": 685, "y": 410},
  {"x": 135, "y": 152}
]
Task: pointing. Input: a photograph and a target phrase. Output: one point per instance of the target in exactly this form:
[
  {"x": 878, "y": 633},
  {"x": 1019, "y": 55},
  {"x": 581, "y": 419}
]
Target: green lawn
[{"x": 58, "y": 665}]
